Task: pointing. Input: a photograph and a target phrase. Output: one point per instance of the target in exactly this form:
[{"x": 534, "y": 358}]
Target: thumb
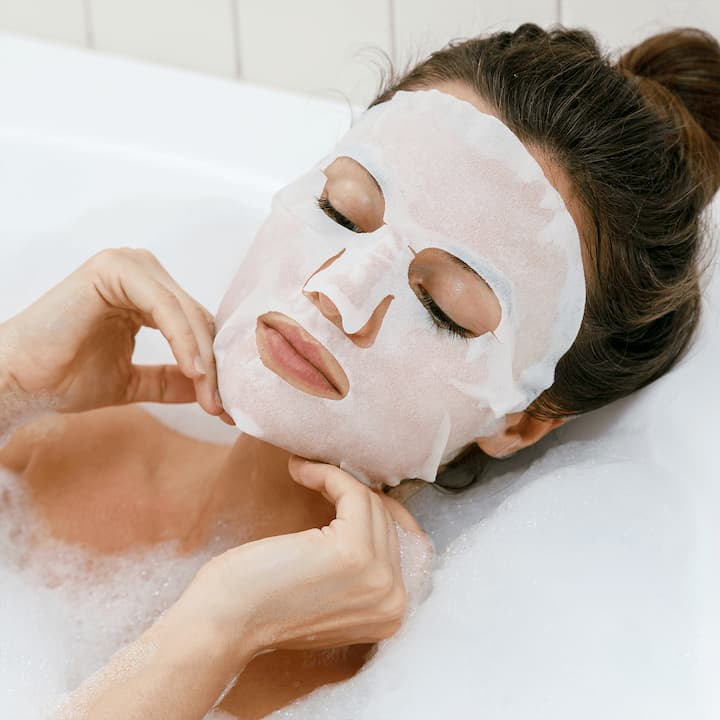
[{"x": 159, "y": 383}]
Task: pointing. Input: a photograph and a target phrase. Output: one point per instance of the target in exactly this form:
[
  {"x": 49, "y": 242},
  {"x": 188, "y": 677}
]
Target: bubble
[{"x": 65, "y": 611}]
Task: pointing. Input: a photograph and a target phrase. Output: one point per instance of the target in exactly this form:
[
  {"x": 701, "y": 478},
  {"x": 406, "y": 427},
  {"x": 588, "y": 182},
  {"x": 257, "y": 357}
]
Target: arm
[
  {"x": 14, "y": 409},
  {"x": 177, "y": 669},
  {"x": 9, "y": 413}
]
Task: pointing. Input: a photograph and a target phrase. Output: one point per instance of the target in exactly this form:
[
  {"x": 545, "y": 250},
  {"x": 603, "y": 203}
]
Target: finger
[
  {"x": 404, "y": 518},
  {"x": 226, "y": 419},
  {"x": 159, "y": 383},
  {"x": 201, "y": 320},
  {"x": 401, "y": 515},
  {"x": 206, "y": 386},
  {"x": 389, "y": 545},
  {"x": 381, "y": 524},
  {"x": 350, "y": 497},
  {"x": 155, "y": 302},
  {"x": 394, "y": 550},
  {"x": 203, "y": 326}
]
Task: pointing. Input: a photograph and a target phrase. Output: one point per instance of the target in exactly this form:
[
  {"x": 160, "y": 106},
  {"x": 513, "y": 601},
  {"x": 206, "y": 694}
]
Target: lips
[{"x": 291, "y": 352}]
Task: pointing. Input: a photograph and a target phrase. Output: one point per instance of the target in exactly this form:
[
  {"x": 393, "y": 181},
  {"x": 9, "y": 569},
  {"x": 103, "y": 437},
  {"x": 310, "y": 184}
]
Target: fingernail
[{"x": 197, "y": 362}]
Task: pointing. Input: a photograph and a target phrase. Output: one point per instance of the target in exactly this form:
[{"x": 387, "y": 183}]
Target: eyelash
[
  {"x": 440, "y": 319},
  {"x": 324, "y": 204}
]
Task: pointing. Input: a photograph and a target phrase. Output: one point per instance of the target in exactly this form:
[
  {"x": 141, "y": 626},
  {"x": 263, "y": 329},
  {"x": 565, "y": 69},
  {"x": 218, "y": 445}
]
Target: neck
[{"x": 252, "y": 490}]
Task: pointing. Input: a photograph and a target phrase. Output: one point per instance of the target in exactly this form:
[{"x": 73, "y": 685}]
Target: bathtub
[{"x": 580, "y": 581}]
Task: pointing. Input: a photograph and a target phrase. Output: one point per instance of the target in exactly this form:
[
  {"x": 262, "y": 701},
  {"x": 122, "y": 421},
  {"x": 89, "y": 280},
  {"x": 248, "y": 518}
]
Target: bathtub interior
[{"x": 579, "y": 580}]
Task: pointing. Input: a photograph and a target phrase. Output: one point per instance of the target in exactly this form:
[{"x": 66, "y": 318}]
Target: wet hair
[{"x": 639, "y": 140}]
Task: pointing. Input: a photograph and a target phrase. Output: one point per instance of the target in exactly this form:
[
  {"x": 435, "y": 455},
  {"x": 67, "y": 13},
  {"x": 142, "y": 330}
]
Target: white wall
[{"x": 322, "y": 46}]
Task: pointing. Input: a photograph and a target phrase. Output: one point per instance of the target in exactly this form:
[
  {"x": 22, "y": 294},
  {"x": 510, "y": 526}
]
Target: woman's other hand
[
  {"x": 74, "y": 345},
  {"x": 338, "y": 585}
]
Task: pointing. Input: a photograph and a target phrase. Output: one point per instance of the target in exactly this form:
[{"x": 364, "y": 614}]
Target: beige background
[{"x": 322, "y": 46}]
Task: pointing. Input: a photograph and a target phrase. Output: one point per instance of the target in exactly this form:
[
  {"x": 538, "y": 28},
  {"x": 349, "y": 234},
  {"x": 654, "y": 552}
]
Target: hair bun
[{"x": 683, "y": 65}]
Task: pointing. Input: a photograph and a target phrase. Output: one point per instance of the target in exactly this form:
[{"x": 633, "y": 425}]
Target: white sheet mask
[{"x": 452, "y": 178}]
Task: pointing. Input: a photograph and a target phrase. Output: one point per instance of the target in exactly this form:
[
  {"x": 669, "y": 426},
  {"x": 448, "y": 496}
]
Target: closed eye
[
  {"x": 441, "y": 319},
  {"x": 324, "y": 204},
  {"x": 456, "y": 297}
]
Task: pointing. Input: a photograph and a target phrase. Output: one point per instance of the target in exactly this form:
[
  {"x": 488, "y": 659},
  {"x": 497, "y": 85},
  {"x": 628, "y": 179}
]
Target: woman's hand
[
  {"x": 326, "y": 587},
  {"x": 338, "y": 585},
  {"x": 74, "y": 345}
]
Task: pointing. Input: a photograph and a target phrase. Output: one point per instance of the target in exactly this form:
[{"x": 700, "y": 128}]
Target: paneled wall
[{"x": 322, "y": 46}]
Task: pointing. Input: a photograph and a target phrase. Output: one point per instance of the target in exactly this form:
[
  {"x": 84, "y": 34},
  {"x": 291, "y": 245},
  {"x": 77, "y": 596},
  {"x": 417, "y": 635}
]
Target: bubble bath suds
[{"x": 65, "y": 611}]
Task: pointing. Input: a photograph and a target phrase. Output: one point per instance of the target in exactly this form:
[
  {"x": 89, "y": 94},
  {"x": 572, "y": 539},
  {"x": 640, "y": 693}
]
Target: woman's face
[{"x": 403, "y": 296}]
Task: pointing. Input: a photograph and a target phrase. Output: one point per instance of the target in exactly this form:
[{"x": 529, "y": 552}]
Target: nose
[{"x": 365, "y": 336}]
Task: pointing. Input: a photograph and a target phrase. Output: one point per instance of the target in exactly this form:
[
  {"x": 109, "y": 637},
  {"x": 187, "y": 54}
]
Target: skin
[{"x": 99, "y": 452}]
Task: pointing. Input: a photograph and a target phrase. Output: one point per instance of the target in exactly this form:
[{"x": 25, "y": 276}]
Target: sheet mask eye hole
[
  {"x": 352, "y": 196},
  {"x": 456, "y": 297}
]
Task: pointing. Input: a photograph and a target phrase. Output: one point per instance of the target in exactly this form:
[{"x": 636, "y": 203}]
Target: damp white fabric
[{"x": 454, "y": 180}]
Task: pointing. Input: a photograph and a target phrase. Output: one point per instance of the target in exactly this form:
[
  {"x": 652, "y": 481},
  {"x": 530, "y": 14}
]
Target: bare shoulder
[
  {"x": 91, "y": 428},
  {"x": 91, "y": 476}
]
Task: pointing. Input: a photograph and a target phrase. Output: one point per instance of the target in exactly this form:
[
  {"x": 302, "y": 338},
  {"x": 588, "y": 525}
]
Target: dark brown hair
[{"x": 639, "y": 140}]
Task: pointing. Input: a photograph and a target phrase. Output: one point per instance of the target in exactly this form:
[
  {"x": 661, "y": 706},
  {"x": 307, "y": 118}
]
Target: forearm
[
  {"x": 176, "y": 669},
  {"x": 16, "y": 406},
  {"x": 12, "y": 407}
]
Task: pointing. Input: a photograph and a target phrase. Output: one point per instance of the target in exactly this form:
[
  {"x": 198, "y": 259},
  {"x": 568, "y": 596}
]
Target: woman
[{"x": 633, "y": 152}]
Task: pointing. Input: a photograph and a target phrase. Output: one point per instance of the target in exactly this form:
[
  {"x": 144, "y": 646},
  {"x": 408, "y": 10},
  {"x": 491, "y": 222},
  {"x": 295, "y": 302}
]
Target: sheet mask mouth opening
[{"x": 292, "y": 353}]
